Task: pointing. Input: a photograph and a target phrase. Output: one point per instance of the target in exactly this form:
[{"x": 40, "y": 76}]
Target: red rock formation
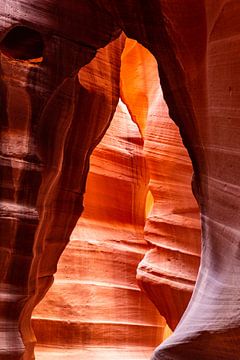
[
  {"x": 118, "y": 180},
  {"x": 168, "y": 271},
  {"x": 95, "y": 302},
  {"x": 196, "y": 46},
  {"x": 46, "y": 130},
  {"x": 112, "y": 228},
  {"x": 201, "y": 102}
]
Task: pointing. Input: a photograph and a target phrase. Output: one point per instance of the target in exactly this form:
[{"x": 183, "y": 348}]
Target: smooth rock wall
[
  {"x": 95, "y": 302},
  {"x": 196, "y": 46},
  {"x": 172, "y": 228}
]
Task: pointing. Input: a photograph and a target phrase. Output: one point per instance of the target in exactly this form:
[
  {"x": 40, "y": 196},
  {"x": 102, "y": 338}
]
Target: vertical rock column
[
  {"x": 168, "y": 271},
  {"x": 19, "y": 184},
  {"x": 196, "y": 46},
  {"x": 96, "y": 105},
  {"x": 47, "y": 126}
]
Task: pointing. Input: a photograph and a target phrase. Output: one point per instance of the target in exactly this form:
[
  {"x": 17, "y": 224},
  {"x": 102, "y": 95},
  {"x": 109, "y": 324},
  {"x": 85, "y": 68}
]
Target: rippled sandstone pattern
[
  {"x": 196, "y": 45},
  {"x": 95, "y": 303},
  {"x": 98, "y": 268},
  {"x": 169, "y": 269},
  {"x": 47, "y": 134}
]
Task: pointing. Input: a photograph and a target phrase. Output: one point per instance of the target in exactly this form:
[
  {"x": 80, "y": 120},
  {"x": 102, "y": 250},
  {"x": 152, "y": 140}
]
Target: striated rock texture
[
  {"x": 50, "y": 122},
  {"x": 98, "y": 269},
  {"x": 51, "y": 119},
  {"x": 168, "y": 271},
  {"x": 95, "y": 303}
]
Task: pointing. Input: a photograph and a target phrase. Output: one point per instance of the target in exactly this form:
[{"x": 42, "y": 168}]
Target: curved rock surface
[
  {"x": 98, "y": 269},
  {"x": 47, "y": 135},
  {"x": 196, "y": 46},
  {"x": 95, "y": 303},
  {"x": 109, "y": 237},
  {"x": 168, "y": 271}
]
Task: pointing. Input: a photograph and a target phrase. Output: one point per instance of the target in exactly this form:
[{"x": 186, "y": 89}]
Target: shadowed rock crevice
[
  {"x": 23, "y": 43},
  {"x": 172, "y": 228}
]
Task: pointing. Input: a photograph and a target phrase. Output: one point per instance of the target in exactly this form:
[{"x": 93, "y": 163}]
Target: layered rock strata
[
  {"x": 196, "y": 46},
  {"x": 115, "y": 204},
  {"x": 108, "y": 239},
  {"x": 95, "y": 303},
  {"x": 172, "y": 228},
  {"x": 191, "y": 54},
  {"x": 47, "y": 135}
]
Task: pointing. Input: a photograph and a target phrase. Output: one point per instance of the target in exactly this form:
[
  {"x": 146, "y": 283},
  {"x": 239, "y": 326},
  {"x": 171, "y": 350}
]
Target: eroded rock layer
[
  {"x": 95, "y": 302},
  {"x": 44, "y": 127},
  {"x": 172, "y": 228},
  {"x": 97, "y": 273},
  {"x": 196, "y": 46}
]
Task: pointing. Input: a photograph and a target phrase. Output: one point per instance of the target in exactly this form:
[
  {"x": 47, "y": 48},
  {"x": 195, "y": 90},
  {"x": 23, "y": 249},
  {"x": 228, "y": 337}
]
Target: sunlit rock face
[
  {"x": 172, "y": 228},
  {"x": 95, "y": 295},
  {"x": 51, "y": 120},
  {"x": 95, "y": 302}
]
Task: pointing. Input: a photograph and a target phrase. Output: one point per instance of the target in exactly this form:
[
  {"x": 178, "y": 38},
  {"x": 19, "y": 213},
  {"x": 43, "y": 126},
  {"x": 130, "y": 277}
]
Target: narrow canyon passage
[
  {"x": 95, "y": 307},
  {"x": 95, "y": 303},
  {"x": 172, "y": 228},
  {"x": 64, "y": 65}
]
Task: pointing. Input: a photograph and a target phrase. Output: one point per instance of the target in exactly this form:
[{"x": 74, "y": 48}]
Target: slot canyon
[{"x": 119, "y": 182}]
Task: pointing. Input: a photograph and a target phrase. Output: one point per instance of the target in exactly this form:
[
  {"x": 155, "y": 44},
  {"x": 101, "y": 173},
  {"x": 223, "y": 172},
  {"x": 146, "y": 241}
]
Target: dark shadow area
[{"x": 23, "y": 43}]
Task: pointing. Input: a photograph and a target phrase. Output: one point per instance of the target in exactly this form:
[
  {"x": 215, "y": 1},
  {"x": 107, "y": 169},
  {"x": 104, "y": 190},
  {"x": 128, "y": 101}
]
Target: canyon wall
[
  {"x": 51, "y": 119},
  {"x": 95, "y": 308},
  {"x": 45, "y": 118},
  {"x": 169, "y": 269},
  {"x": 95, "y": 302}
]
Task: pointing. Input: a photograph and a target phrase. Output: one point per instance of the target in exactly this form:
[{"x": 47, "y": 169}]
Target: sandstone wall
[
  {"x": 95, "y": 302},
  {"x": 46, "y": 112}
]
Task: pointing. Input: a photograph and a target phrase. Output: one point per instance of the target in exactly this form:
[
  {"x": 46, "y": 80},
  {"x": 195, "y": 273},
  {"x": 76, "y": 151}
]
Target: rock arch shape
[
  {"x": 190, "y": 56},
  {"x": 112, "y": 227}
]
